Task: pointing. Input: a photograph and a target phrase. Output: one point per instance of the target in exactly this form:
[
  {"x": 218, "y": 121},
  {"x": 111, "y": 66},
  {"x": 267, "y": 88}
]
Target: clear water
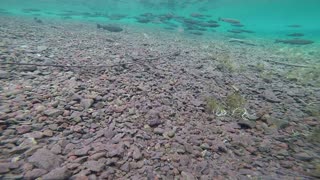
[{"x": 267, "y": 18}]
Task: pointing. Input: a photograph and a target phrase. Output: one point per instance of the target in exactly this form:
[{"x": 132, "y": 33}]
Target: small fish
[
  {"x": 296, "y": 34},
  {"x": 294, "y": 26},
  {"x": 229, "y": 20},
  {"x": 237, "y": 25},
  {"x": 294, "y": 41},
  {"x": 247, "y": 31},
  {"x": 37, "y": 20},
  {"x": 237, "y": 31},
  {"x": 110, "y": 28},
  {"x": 212, "y": 21}
]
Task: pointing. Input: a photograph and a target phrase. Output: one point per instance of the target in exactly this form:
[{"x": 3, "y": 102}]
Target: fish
[
  {"x": 229, "y": 20},
  {"x": 37, "y": 20},
  {"x": 294, "y": 41},
  {"x": 212, "y": 21},
  {"x": 296, "y": 34},
  {"x": 247, "y": 31},
  {"x": 110, "y": 28},
  {"x": 294, "y": 26},
  {"x": 204, "y": 24},
  {"x": 238, "y": 25},
  {"x": 238, "y": 31}
]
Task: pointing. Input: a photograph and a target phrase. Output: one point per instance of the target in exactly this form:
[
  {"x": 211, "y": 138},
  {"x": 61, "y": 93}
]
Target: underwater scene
[{"x": 159, "y": 89}]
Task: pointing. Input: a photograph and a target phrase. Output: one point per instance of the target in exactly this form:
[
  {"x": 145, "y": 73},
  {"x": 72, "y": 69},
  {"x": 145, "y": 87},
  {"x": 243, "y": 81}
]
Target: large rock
[
  {"x": 35, "y": 173},
  {"x": 58, "y": 173},
  {"x": 45, "y": 159}
]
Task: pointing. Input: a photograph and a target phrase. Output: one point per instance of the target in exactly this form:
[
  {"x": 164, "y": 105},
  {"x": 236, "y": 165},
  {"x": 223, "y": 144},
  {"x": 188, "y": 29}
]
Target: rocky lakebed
[{"x": 80, "y": 102}]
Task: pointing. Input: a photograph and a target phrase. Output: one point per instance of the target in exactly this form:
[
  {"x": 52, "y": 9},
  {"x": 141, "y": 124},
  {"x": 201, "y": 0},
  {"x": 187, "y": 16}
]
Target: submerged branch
[{"x": 289, "y": 64}]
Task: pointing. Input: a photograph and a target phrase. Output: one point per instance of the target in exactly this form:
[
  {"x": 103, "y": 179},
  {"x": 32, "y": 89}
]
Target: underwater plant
[
  {"x": 314, "y": 136},
  {"x": 305, "y": 76},
  {"x": 313, "y": 109},
  {"x": 225, "y": 63},
  {"x": 235, "y": 101},
  {"x": 215, "y": 107},
  {"x": 266, "y": 75},
  {"x": 260, "y": 66}
]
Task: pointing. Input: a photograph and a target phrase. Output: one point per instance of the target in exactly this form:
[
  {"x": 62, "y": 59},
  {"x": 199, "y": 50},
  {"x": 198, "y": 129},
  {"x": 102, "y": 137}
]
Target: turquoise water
[{"x": 266, "y": 18}]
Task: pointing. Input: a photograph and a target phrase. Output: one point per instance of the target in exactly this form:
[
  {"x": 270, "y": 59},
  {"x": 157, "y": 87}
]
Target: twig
[{"x": 289, "y": 64}]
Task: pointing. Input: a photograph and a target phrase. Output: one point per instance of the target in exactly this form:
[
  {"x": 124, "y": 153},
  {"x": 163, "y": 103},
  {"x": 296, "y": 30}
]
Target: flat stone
[
  {"x": 271, "y": 97},
  {"x": 158, "y": 131},
  {"x": 42, "y": 48},
  {"x": 35, "y": 173},
  {"x": 35, "y": 135},
  {"x": 246, "y": 124},
  {"x": 82, "y": 152},
  {"x": 76, "y": 116},
  {"x": 4, "y": 168},
  {"x": 95, "y": 166},
  {"x": 136, "y": 165},
  {"x": 116, "y": 151},
  {"x": 125, "y": 167},
  {"x": 23, "y": 129},
  {"x": 187, "y": 176},
  {"x": 154, "y": 122},
  {"x": 136, "y": 153},
  {"x": 56, "y": 149},
  {"x": 303, "y": 156},
  {"x": 87, "y": 103},
  {"x": 170, "y": 134},
  {"x": 47, "y": 133},
  {"x": 45, "y": 159},
  {"x": 205, "y": 146},
  {"x": 53, "y": 112},
  {"x": 97, "y": 156},
  {"x": 58, "y": 173},
  {"x": 4, "y": 74}
]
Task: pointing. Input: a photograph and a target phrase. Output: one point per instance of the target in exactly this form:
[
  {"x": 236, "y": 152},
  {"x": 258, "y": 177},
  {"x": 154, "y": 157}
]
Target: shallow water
[
  {"x": 267, "y": 18},
  {"x": 159, "y": 89}
]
